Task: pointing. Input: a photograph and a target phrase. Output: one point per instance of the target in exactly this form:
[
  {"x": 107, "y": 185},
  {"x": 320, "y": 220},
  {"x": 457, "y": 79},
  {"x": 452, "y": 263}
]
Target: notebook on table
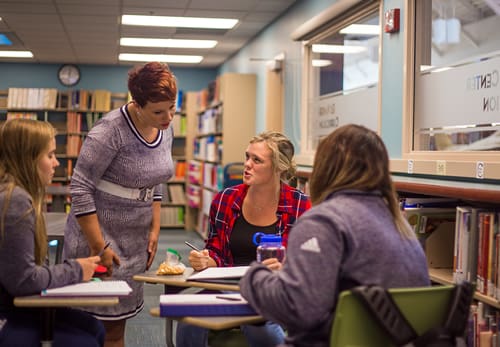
[
  {"x": 231, "y": 275},
  {"x": 92, "y": 288},
  {"x": 202, "y": 305}
]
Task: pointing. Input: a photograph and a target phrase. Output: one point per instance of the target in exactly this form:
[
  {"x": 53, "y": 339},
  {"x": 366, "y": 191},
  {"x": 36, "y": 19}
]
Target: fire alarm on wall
[{"x": 391, "y": 21}]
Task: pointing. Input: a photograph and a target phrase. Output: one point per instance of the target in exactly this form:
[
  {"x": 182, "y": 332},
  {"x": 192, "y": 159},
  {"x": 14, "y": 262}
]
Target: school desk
[
  {"x": 175, "y": 284},
  {"x": 48, "y": 305},
  {"x": 214, "y": 322}
]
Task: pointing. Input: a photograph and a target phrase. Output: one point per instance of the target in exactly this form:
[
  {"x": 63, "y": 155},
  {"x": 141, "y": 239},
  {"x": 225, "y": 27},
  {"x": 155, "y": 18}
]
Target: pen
[
  {"x": 192, "y": 246},
  {"x": 106, "y": 246},
  {"x": 227, "y": 298}
]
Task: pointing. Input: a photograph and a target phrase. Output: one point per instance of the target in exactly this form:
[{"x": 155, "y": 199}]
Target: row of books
[
  {"x": 171, "y": 216},
  {"x": 208, "y": 148},
  {"x": 26, "y": 115},
  {"x": 209, "y": 175},
  {"x": 174, "y": 193},
  {"x": 210, "y": 121},
  {"x": 482, "y": 327},
  {"x": 213, "y": 176},
  {"x": 180, "y": 169},
  {"x": 179, "y": 125},
  {"x": 209, "y": 96},
  {"x": 32, "y": 98},
  {"x": 73, "y": 139},
  {"x": 193, "y": 195},
  {"x": 477, "y": 249},
  {"x": 51, "y": 98}
]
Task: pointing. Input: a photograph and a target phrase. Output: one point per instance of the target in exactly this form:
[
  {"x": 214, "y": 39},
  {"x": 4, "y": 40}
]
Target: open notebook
[
  {"x": 220, "y": 274},
  {"x": 92, "y": 288}
]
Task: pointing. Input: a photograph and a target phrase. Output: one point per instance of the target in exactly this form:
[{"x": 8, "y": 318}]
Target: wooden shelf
[
  {"x": 445, "y": 276},
  {"x": 464, "y": 190},
  {"x": 483, "y": 192}
]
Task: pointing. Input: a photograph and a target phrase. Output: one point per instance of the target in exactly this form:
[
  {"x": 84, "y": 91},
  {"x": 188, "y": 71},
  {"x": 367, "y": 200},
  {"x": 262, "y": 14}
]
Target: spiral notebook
[{"x": 92, "y": 288}]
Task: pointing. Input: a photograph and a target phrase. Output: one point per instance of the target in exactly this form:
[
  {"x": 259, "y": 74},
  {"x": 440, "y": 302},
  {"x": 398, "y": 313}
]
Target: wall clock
[{"x": 68, "y": 74}]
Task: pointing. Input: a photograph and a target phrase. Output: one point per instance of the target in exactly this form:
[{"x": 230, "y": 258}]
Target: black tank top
[{"x": 241, "y": 244}]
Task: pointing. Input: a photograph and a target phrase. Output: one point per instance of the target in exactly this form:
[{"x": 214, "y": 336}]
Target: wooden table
[
  {"x": 214, "y": 322},
  {"x": 180, "y": 282},
  {"x": 48, "y": 305}
]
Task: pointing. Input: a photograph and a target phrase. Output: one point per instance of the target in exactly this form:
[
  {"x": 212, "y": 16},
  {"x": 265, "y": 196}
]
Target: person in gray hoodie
[{"x": 354, "y": 234}]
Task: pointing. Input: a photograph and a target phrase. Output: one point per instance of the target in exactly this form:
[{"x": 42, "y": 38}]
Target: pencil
[
  {"x": 192, "y": 246},
  {"x": 102, "y": 251},
  {"x": 227, "y": 298}
]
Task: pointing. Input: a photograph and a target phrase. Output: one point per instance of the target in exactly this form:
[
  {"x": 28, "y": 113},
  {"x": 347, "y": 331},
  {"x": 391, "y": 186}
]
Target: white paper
[
  {"x": 92, "y": 288},
  {"x": 219, "y": 273}
]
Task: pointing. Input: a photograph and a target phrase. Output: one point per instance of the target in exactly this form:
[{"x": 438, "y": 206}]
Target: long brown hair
[
  {"x": 22, "y": 141},
  {"x": 355, "y": 157}
]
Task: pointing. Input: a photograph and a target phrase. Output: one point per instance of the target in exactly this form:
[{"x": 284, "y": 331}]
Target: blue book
[{"x": 199, "y": 305}]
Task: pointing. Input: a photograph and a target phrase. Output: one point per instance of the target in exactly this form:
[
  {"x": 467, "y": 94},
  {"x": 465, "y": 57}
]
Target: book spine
[{"x": 206, "y": 310}]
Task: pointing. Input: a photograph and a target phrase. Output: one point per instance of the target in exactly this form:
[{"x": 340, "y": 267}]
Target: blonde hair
[
  {"x": 282, "y": 152},
  {"x": 22, "y": 141},
  {"x": 355, "y": 157}
]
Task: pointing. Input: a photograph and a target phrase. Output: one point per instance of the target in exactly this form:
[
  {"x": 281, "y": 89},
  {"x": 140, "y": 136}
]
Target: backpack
[{"x": 386, "y": 313}]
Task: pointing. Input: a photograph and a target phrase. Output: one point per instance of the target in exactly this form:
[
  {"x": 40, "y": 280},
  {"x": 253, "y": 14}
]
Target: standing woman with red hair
[{"x": 116, "y": 189}]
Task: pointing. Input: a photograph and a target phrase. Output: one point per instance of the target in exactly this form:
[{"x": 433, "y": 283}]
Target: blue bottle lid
[{"x": 259, "y": 238}]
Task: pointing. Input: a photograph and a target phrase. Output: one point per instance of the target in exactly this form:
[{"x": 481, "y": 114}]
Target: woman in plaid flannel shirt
[{"x": 264, "y": 202}]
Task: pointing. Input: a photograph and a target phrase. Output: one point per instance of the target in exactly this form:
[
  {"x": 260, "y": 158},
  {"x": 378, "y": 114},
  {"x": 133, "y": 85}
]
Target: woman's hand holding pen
[
  {"x": 88, "y": 266},
  {"x": 199, "y": 260}
]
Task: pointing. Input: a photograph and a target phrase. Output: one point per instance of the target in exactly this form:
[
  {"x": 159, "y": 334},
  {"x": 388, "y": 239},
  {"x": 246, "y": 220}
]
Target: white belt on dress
[{"x": 142, "y": 194}]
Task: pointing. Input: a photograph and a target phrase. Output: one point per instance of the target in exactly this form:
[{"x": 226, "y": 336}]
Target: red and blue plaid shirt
[{"x": 226, "y": 208}]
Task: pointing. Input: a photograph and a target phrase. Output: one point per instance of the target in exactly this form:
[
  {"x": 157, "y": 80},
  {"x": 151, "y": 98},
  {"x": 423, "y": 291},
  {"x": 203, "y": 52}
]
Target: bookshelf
[
  {"x": 473, "y": 193},
  {"x": 173, "y": 207},
  {"x": 72, "y": 113},
  {"x": 224, "y": 124}
]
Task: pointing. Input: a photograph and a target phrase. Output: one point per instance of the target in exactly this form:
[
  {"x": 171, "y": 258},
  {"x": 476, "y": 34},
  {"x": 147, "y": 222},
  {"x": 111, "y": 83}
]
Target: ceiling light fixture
[
  {"x": 16, "y": 54},
  {"x": 183, "y": 59},
  {"x": 321, "y": 62},
  {"x": 179, "y": 22},
  {"x": 337, "y": 49},
  {"x": 361, "y": 29},
  {"x": 171, "y": 43}
]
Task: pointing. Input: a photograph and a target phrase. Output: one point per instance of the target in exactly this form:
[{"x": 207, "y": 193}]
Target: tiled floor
[{"x": 145, "y": 330}]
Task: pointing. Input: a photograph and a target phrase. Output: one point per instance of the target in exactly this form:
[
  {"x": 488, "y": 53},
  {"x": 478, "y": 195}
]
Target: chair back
[{"x": 423, "y": 307}]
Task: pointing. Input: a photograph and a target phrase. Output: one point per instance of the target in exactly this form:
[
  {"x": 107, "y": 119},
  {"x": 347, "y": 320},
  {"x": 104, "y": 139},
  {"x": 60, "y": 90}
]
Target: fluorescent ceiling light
[
  {"x": 361, "y": 29},
  {"x": 16, "y": 54},
  {"x": 172, "y": 43},
  {"x": 337, "y": 49},
  {"x": 179, "y": 22},
  {"x": 321, "y": 62},
  {"x": 185, "y": 59}
]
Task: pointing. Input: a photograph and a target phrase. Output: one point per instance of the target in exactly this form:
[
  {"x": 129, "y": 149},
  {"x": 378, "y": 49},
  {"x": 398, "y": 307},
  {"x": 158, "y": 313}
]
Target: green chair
[{"x": 423, "y": 307}]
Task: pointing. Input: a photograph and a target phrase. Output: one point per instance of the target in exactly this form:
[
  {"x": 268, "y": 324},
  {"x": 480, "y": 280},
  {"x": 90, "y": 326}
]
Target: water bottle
[{"x": 269, "y": 246}]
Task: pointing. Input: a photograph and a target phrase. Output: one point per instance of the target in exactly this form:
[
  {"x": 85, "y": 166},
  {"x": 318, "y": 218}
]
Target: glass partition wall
[
  {"x": 457, "y": 86},
  {"x": 341, "y": 72},
  {"x": 451, "y": 90}
]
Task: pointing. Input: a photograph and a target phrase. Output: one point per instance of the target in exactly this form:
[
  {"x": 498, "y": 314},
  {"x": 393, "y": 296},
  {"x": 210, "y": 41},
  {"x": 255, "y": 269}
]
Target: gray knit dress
[{"x": 114, "y": 151}]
